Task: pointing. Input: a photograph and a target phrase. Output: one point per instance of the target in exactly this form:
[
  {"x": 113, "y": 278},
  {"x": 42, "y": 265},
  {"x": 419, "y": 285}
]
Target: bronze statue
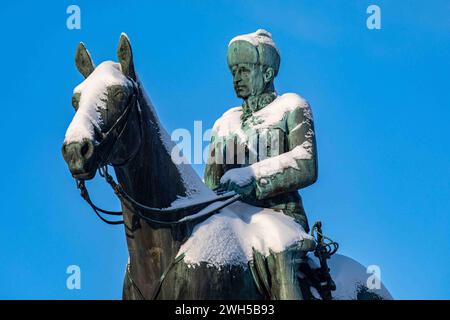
[
  {"x": 242, "y": 250},
  {"x": 276, "y": 131}
]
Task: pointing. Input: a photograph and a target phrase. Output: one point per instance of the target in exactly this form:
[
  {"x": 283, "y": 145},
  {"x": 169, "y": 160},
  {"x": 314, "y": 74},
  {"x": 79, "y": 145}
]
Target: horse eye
[
  {"x": 75, "y": 100},
  {"x": 119, "y": 95}
]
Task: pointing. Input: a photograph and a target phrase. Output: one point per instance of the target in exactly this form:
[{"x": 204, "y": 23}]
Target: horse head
[{"x": 103, "y": 130}]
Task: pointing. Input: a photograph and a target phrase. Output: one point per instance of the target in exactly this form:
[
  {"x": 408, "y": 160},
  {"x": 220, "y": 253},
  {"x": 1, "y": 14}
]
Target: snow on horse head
[{"x": 212, "y": 258}]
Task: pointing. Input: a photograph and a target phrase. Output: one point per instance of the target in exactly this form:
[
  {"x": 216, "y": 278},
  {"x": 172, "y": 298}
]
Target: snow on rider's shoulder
[
  {"x": 229, "y": 122},
  {"x": 230, "y": 115},
  {"x": 274, "y": 112},
  {"x": 277, "y": 109}
]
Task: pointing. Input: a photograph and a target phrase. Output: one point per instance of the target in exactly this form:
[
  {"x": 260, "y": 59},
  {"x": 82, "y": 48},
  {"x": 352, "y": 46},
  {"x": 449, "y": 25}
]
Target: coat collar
[{"x": 254, "y": 104}]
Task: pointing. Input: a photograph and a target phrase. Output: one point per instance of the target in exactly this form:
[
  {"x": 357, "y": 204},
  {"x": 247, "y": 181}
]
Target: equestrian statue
[{"x": 243, "y": 232}]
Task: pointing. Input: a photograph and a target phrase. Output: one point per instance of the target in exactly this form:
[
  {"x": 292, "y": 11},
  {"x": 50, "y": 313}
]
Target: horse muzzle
[{"x": 80, "y": 158}]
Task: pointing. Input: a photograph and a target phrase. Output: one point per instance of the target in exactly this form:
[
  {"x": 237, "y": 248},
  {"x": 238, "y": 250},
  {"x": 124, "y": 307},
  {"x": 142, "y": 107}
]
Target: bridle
[
  {"x": 109, "y": 139},
  {"x": 160, "y": 216}
]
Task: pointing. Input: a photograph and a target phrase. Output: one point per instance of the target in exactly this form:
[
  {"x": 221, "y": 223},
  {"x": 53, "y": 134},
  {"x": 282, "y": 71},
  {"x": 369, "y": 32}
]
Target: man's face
[{"x": 248, "y": 80}]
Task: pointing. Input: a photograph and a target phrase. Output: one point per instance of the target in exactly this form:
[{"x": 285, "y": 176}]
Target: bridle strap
[
  {"x": 141, "y": 134},
  {"x": 109, "y": 140},
  {"x": 85, "y": 195}
]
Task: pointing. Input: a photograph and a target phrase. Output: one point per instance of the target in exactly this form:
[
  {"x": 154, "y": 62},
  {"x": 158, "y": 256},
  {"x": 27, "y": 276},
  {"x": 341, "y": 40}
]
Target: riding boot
[{"x": 277, "y": 275}]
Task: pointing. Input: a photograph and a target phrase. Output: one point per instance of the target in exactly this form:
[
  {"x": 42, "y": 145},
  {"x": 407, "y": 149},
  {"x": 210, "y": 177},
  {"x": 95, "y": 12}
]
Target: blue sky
[{"x": 380, "y": 100}]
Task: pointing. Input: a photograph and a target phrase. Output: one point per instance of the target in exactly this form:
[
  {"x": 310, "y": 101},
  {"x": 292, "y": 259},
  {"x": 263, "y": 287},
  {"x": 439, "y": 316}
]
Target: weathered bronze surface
[
  {"x": 254, "y": 68},
  {"x": 254, "y": 62},
  {"x": 151, "y": 177}
]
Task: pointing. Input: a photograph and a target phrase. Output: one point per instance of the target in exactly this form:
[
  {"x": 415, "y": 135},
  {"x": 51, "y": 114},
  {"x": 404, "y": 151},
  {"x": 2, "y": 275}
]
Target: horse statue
[{"x": 184, "y": 240}]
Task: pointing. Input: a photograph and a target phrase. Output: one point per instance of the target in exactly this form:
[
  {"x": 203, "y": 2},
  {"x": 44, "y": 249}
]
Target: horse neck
[{"x": 153, "y": 179}]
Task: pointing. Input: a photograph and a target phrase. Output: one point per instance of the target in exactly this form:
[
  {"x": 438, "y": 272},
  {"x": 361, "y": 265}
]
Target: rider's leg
[{"x": 298, "y": 213}]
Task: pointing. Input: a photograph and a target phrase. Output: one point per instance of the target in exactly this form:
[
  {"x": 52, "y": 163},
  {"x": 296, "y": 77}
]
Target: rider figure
[{"x": 265, "y": 149}]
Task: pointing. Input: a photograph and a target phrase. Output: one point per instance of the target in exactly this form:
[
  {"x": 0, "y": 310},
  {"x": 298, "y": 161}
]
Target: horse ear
[
  {"x": 83, "y": 60},
  {"x": 125, "y": 55}
]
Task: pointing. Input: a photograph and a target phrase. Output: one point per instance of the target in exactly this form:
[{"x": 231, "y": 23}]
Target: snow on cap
[
  {"x": 256, "y": 48},
  {"x": 260, "y": 36}
]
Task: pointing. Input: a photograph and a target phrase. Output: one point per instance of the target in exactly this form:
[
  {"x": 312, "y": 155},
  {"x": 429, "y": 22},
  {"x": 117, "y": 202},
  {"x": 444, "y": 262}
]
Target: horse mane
[{"x": 180, "y": 181}]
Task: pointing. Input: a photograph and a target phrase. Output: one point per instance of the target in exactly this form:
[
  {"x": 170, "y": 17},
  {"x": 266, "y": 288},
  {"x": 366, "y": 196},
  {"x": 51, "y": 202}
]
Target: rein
[{"x": 161, "y": 216}]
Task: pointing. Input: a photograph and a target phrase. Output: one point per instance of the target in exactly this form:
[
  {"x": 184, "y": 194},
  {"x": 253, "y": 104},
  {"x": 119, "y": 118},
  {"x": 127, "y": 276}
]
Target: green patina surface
[{"x": 254, "y": 67}]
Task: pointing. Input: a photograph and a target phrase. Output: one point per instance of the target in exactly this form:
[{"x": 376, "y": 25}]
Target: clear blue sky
[{"x": 380, "y": 101}]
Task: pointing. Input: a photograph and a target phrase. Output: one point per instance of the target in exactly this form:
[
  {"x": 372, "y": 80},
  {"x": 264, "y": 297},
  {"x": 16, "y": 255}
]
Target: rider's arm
[{"x": 294, "y": 169}]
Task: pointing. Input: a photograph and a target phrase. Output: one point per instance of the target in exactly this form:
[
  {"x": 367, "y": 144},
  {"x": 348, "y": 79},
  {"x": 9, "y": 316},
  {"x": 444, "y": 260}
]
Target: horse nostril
[
  {"x": 84, "y": 149},
  {"x": 64, "y": 150},
  {"x": 87, "y": 149}
]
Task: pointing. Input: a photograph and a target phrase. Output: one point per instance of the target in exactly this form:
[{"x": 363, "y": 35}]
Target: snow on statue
[
  {"x": 183, "y": 242},
  {"x": 265, "y": 150}
]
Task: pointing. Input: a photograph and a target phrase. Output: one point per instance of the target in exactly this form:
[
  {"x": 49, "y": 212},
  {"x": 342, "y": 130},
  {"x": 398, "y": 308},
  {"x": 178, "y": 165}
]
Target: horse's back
[{"x": 351, "y": 279}]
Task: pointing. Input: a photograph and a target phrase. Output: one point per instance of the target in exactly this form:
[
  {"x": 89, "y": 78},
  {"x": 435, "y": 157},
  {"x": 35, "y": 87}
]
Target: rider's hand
[
  {"x": 239, "y": 180},
  {"x": 247, "y": 191}
]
